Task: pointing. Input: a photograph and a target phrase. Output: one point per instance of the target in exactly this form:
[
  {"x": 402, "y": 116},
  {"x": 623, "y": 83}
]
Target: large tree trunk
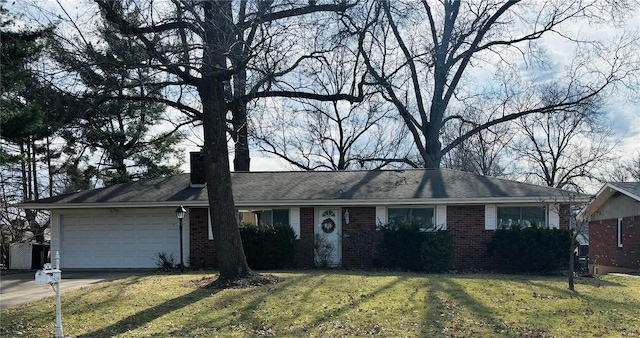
[
  {"x": 231, "y": 258},
  {"x": 241, "y": 159}
]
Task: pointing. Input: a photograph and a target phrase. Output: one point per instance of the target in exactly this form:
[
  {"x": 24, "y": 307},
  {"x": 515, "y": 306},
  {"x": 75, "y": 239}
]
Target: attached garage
[{"x": 116, "y": 239}]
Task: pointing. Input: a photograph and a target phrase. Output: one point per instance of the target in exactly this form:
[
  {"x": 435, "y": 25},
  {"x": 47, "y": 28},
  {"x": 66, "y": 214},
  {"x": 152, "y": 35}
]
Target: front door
[{"x": 328, "y": 244}]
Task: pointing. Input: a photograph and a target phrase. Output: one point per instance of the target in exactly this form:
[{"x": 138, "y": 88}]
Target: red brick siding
[
  {"x": 304, "y": 246},
  {"x": 360, "y": 239},
  {"x": 201, "y": 249},
  {"x": 565, "y": 215},
  {"x": 466, "y": 224},
  {"x": 603, "y": 243}
]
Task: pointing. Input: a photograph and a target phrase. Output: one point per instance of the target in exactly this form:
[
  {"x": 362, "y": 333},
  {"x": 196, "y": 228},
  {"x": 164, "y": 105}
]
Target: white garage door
[{"x": 119, "y": 239}]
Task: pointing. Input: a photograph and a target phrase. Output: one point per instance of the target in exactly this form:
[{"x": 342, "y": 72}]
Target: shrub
[
  {"x": 437, "y": 251},
  {"x": 533, "y": 249},
  {"x": 322, "y": 250},
  {"x": 268, "y": 246},
  {"x": 164, "y": 261},
  {"x": 408, "y": 248}
]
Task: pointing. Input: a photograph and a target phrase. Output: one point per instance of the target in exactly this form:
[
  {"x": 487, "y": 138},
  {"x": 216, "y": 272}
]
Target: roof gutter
[{"x": 309, "y": 203}]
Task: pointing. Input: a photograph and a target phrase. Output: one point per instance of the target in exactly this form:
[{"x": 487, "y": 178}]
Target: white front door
[{"x": 328, "y": 239}]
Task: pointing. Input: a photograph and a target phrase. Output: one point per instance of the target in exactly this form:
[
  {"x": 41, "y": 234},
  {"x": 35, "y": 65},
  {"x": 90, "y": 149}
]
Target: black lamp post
[{"x": 180, "y": 212}]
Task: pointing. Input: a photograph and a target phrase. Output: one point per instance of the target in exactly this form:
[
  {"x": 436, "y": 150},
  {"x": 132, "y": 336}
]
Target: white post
[{"x": 56, "y": 287}]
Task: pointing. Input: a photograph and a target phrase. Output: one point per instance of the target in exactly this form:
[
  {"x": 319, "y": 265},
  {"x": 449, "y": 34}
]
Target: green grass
[{"x": 330, "y": 304}]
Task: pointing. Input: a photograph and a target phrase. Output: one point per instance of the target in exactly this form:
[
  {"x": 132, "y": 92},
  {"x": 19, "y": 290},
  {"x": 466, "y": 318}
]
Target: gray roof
[
  {"x": 630, "y": 188},
  {"x": 415, "y": 186}
]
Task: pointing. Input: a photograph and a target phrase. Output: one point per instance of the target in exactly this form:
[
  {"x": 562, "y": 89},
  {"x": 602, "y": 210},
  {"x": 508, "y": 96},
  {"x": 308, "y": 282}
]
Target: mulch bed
[{"x": 251, "y": 281}]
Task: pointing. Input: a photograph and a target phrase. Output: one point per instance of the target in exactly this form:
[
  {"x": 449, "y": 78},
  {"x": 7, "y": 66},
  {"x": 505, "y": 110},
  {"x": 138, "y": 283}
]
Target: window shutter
[
  {"x": 554, "y": 216},
  {"x": 294, "y": 220},
  {"x": 441, "y": 217},
  {"x": 381, "y": 216},
  {"x": 490, "y": 217}
]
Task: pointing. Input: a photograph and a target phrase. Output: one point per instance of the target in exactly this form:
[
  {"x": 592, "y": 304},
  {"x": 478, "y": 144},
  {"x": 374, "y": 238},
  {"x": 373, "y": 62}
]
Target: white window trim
[
  {"x": 381, "y": 216},
  {"x": 294, "y": 220},
  {"x": 619, "y": 233},
  {"x": 441, "y": 217},
  {"x": 490, "y": 217},
  {"x": 553, "y": 216}
]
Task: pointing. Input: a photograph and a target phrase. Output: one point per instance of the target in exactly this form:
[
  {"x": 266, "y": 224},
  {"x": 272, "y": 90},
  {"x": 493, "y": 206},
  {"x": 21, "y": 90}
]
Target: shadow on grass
[
  {"x": 445, "y": 299},
  {"x": 74, "y": 303},
  {"x": 258, "y": 295},
  {"x": 354, "y": 303},
  {"x": 141, "y": 318}
]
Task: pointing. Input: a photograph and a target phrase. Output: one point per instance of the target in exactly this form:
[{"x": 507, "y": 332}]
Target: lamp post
[{"x": 180, "y": 212}]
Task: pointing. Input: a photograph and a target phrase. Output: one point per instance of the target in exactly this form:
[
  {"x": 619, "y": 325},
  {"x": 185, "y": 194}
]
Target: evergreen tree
[{"x": 121, "y": 135}]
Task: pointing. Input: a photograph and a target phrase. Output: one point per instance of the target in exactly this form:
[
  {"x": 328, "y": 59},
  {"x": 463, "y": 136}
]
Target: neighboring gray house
[{"x": 126, "y": 225}]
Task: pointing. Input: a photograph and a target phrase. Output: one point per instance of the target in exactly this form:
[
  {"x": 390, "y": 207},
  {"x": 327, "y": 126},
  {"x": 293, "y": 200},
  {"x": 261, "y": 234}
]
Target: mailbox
[
  {"x": 53, "y": 277},
  {"x": 48, "y": 275}
]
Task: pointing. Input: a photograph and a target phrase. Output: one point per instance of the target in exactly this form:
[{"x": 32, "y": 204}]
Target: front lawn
[{"x": 341, "y": 303}]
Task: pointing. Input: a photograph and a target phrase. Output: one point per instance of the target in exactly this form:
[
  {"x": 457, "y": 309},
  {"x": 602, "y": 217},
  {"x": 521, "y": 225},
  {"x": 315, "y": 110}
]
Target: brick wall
[
  {"x": 565, "y": 215},
  {"x": 360, "y": 239},
  {"x": 304, "y": 246},
  {"x": 202, "y": 251},
  {"x": 466, "y": 224},
  {"x": 603, "y": 243}
]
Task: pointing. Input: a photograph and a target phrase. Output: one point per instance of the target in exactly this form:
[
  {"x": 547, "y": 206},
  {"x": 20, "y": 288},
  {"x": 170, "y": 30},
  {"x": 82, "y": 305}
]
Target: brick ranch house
[
  {"x": 127, "y": 225},
  {"x": 614, "y": 229}
]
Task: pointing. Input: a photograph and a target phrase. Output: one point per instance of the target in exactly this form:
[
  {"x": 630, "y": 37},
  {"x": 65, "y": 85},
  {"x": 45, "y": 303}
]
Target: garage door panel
[{"x": 117, "y": 241}]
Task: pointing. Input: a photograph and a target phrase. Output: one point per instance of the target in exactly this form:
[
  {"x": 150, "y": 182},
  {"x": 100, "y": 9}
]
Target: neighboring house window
[
  {"x": 422, "y": 217},
  {"x": 522, "y": 216},
  {"x": 619, "y": 233}
]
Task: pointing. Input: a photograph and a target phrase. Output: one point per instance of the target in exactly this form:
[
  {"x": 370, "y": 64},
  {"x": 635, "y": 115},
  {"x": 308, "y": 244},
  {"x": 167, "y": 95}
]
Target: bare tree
[
  {"x": 625, "y": 170},
  {"x": 201, "y": 50},
  {"x": 485, "y": 153},
  {"x": 432, "y": 59},
  {"x": 565, "y": 149},
  {"x": 577, "y": 227},
  {"x": 317, "y": 135}
]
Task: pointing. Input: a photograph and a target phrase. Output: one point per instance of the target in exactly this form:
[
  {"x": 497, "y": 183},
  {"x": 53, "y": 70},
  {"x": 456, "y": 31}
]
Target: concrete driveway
[{"x": 21, "y": 288}]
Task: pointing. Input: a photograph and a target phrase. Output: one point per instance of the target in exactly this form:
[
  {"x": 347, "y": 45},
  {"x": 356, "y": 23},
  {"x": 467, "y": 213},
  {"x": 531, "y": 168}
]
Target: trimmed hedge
[
  {"x": 408, "y": 248},
  {"x": 268, "y": 247},
  {"x": 534, "y": 249}
]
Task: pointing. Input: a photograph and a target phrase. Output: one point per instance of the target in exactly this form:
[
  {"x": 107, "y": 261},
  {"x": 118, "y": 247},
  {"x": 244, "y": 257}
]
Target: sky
[{"x": 623, "y": 112}]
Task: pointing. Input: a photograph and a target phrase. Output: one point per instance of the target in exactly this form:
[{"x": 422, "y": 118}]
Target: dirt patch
[{"x": 251, "y": 281}]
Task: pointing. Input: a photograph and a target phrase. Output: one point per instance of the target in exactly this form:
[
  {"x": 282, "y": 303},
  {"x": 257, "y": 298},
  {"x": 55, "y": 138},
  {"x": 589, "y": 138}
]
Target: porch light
[
  {"x": 346, "y": 216},
  {"x": 180, "y": 212}
]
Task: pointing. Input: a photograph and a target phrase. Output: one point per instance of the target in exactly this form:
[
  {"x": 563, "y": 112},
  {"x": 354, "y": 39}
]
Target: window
[
  {"x": 521, "y": 216},
  {"x": 421, "y": 217},
  {"x": 619, "y": 233},
  {"x": 264, "y": 217},
  {"x": 260, "y": 217}
]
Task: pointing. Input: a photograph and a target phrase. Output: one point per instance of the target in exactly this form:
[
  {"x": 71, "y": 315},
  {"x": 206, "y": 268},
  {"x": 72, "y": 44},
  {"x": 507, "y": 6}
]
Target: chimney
[{"x": 196, "y": 159}]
